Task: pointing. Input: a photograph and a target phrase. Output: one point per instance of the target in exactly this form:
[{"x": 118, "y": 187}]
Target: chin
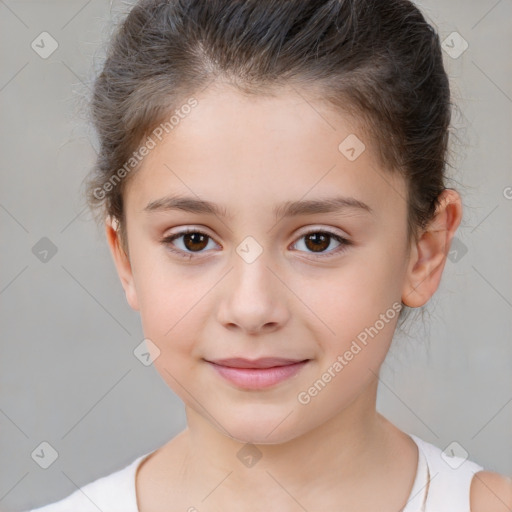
[
  {"x": 259, "y": 438},
  {"x": 259, "y": 430}
]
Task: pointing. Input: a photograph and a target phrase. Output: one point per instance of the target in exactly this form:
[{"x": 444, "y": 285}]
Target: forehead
[{"x": 235, "y": 148}]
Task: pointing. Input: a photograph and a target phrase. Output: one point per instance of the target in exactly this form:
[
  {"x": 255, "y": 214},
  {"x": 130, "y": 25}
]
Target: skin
[{"x": 248, "y": 155}]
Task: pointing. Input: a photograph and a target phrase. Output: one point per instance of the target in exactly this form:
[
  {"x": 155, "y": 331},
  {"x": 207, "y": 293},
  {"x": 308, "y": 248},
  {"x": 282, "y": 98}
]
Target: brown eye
[
  {"x": 195, "y": 241},
  {"x": 190, "y": 242},
  {"x": 319, "y": 242}
]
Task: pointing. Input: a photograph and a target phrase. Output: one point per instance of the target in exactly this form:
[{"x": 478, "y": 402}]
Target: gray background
[{"x": 68, "y": 375}]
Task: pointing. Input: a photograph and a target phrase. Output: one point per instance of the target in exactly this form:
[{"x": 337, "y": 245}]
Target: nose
[{"x": 253, "y": 299}]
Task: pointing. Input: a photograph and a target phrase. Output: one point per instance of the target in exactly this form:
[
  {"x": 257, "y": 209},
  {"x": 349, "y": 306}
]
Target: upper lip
[{"x": 263, "y": 362}]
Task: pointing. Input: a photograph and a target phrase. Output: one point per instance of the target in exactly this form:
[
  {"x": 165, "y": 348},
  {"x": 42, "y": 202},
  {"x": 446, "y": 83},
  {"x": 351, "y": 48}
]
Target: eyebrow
[{"x": 286, "y": 209}]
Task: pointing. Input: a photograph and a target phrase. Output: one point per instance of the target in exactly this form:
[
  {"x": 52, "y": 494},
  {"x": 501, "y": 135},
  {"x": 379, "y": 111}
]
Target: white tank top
[{"x": 442, "y": 484}]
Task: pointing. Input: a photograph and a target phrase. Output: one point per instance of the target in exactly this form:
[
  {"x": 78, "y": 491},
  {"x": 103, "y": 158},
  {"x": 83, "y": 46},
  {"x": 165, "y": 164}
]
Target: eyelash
[{"x": 344, "y": 243}]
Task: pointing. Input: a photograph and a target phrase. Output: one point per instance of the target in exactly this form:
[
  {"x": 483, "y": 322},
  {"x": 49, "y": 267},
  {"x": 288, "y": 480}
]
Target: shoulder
[
  {"x": 491, "y": 492},
  {"x": 111, "y": 493}
]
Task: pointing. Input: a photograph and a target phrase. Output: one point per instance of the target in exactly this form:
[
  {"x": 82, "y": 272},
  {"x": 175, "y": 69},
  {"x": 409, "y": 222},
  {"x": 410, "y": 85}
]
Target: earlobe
[
  {"x": 121, "y": 262},
  {"x": 428, "y": 254}
]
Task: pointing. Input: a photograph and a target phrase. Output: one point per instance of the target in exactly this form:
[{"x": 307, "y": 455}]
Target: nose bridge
[
  {"x": 251, "y": 298},
  {"x": 250, "y": 273},
  {"x": 251, "y": 279}
]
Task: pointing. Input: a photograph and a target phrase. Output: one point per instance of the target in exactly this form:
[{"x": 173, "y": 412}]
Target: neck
[{"x": 340, "y": 452}]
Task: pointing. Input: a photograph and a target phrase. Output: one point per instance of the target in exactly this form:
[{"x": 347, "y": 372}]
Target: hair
[{"x": 378, "y": 61}]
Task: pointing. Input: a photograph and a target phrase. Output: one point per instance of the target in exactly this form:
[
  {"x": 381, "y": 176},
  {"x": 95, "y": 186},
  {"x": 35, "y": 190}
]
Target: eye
[
  {"x": 193, "y": 241},
  {"x": 318, "y": 241}
]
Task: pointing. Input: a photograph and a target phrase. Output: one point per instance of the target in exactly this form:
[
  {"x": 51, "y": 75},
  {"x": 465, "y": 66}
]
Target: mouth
[
  {"x": 257, "y": 374},
  {"x": 262, "y": 362}
]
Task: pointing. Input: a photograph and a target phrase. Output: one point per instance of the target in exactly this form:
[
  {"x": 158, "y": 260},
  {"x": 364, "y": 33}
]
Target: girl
[{"x": 272, "y": 181}]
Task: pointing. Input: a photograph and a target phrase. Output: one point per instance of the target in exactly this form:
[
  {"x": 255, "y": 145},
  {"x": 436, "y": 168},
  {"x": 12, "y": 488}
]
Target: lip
[
  {"x": 257, "y": 374},
  {"x": 262, "y": 362}
]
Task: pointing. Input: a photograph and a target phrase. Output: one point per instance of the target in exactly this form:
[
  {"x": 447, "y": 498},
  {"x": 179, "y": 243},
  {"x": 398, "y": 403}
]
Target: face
[{"x": 257, "y": 279}]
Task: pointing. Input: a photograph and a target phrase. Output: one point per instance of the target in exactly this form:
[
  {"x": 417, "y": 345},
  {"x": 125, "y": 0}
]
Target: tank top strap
[
  {"x": 450, "y": 479},
  {"x": 418, "y": 494}
]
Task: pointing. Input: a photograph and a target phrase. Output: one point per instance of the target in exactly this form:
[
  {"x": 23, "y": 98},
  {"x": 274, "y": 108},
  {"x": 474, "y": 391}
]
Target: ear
[
  {"x": 428, "y": 255},
  {"x": 121, "y": 261}
]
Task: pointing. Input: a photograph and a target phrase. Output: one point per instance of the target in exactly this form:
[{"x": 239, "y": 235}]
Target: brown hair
[{"x": 379, "y": 60}]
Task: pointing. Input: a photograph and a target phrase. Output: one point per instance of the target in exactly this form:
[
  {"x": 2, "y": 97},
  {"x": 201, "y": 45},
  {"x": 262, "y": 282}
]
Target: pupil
[
  {"x": 319, "y": 241},
  {"x": 195, "y": 238}
]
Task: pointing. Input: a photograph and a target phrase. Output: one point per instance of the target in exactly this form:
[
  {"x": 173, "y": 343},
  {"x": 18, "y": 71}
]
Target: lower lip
[{"x": 258, "y": 378}]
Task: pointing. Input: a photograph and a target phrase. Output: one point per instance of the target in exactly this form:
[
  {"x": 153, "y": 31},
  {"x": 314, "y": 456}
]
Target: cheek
[
  {"x": 162, "y": 293},
  {"x": 170, "y": 315},
  {"x": 174, "y": 306},
  {"x": 358, "y": 302},
  {"x": 359, "y": 314},
  {"x": 167, "y": 311}
]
